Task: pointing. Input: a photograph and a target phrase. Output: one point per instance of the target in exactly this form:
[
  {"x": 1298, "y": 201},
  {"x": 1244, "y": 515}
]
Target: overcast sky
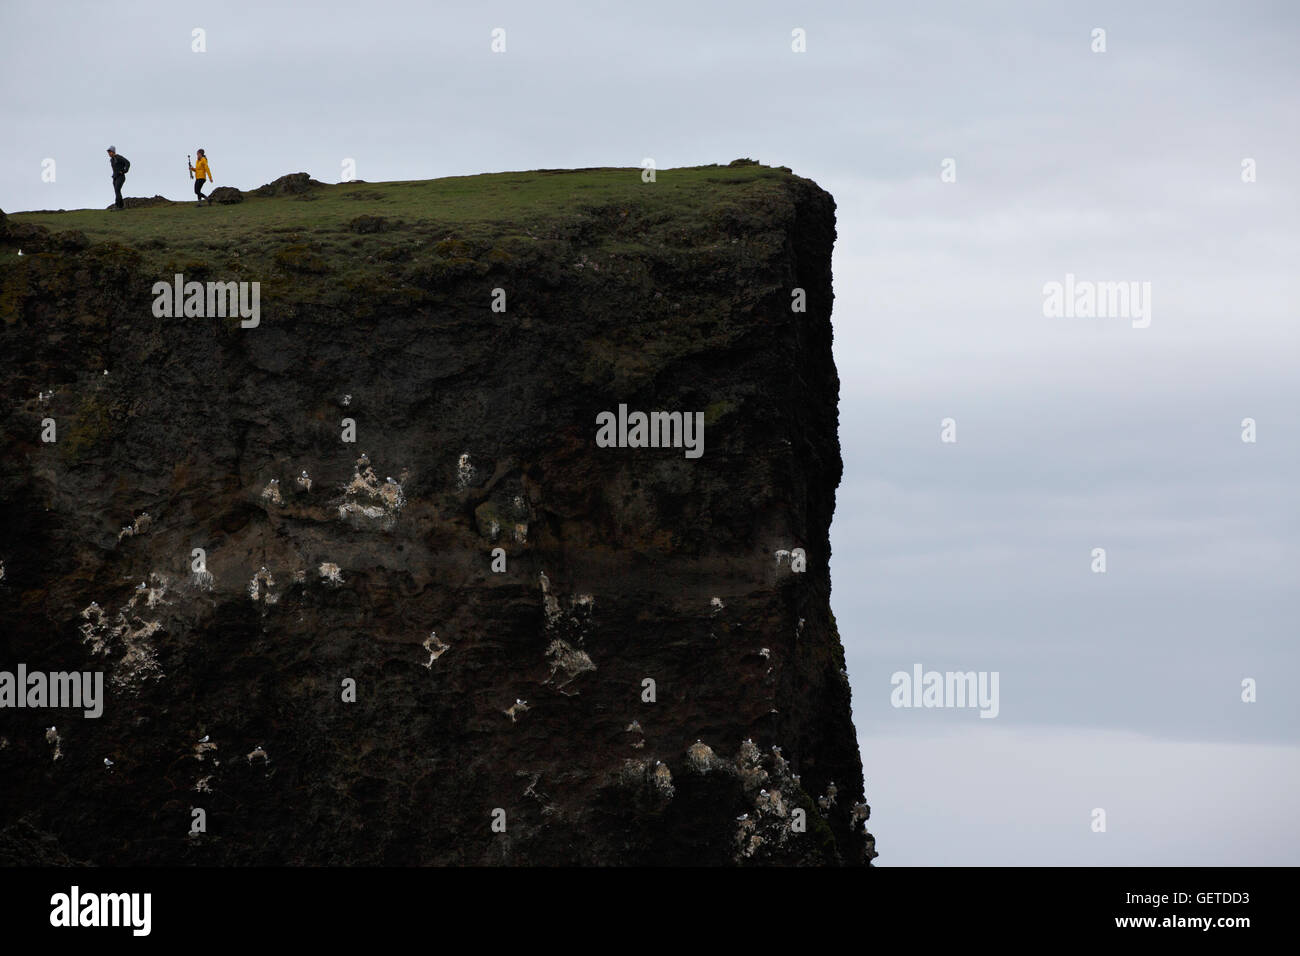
[{"x": 1119, "y": 691}]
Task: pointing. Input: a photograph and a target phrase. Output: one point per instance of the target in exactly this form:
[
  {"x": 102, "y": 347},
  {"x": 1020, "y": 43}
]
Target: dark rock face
[{"x": 502, "y": 687}]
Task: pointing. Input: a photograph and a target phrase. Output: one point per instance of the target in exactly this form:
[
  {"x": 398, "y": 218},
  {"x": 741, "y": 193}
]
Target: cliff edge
[{"x": 378, "y": 562}]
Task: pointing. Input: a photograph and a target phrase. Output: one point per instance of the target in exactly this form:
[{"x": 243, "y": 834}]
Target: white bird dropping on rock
[
  {"x": 435, "y": 647},
  {"x": 515, "y": 709},
  {"x": 465, "y": 475}
]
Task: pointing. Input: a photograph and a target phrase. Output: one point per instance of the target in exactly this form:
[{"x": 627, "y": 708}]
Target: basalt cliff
[{"x": 314, "y": 479}]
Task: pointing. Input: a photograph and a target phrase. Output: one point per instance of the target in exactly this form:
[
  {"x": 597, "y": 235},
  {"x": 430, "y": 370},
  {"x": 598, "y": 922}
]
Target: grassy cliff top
[
  {"x": 466, "y": 207},
  {"x": 405, "y": 244}
]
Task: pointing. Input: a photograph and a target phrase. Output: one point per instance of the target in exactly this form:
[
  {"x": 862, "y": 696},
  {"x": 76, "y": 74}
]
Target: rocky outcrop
[
  {"x": 226, "y": 195},
  {"x": 293, "y": 184},
  {"x": 143, "y": 202},
  {"x": 364, "y": 583}
]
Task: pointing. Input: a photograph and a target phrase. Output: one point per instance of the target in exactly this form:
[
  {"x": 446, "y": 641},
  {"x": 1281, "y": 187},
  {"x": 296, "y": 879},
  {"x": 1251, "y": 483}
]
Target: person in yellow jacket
[{"x": 201, "y": 175}]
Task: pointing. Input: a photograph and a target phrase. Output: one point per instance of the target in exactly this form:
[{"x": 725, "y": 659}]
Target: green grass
[
  {"x": 484, "y": 207},
  {"x": 359, "y": 246}
]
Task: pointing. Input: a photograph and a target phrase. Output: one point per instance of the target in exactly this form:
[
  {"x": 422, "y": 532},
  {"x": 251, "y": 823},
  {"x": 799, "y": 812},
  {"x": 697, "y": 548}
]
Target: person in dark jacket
[{"x": 120, "y": 165}]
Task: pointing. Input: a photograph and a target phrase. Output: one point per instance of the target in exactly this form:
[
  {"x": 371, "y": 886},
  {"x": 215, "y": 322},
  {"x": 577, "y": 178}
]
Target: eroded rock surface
[{"x": 324, "y": 561}]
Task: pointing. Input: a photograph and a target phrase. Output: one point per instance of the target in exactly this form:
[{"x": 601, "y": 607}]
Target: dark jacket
[{"x": 120, "y": 164}]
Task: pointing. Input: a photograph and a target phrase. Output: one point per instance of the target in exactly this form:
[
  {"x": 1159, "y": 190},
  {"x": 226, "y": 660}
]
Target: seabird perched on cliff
[
  {"x": 142, "y": 586},
  {"x": 203, "y": 739},
  {"x": 390, "y": 481},
  {"x": 743, "y": 817},
  {"x": 108, "y": 764}
]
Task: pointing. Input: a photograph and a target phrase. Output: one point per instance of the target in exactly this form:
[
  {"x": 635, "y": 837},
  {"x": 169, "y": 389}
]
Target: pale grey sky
[{"x": 1119, "y": 691}]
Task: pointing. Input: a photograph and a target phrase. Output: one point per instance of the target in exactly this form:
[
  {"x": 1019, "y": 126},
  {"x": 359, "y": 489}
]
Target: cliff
[{"x": 364, "y": 585}]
